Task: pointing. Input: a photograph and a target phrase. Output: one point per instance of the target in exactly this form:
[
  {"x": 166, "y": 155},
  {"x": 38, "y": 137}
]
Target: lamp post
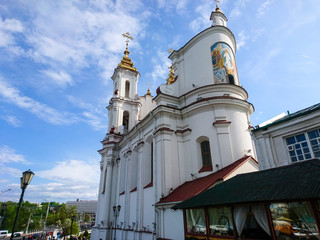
[
  {"x": 116, "y": 212},
  {"x": 3, "y": 207},
  {"x": 25, "y": 181}
]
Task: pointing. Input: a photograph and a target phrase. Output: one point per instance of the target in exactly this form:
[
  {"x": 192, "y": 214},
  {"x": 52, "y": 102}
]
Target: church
[{"x": 161, "y": 150}]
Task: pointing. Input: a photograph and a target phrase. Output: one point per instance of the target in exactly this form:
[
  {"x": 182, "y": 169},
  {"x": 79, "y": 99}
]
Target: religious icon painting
[{"x": 223, "y": 63}]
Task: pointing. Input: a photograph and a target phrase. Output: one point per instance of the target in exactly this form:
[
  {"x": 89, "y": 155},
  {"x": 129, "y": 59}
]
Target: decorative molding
[
  {"x": 182, "y": 131},
  {"x": 163, "y": 129},
  {"x": 149, "y": 185}
]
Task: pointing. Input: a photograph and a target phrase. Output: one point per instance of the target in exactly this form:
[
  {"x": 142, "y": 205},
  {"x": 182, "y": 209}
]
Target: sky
[{"x": 57, "y": 59}]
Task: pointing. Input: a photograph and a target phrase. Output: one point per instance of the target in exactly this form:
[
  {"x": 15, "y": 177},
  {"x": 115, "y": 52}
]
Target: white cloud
[
  {"x": 92, "y": 114},
  {"x": 8, "y": 29},
  {"x": 202, "y": 21},
  {"x": 169, "y": 4},
  {"x": 79, "y": 33},
  {"x": 238, "y": 6},
  {"x": 241, "y": 41},
  {"x": 41, "y": 110},
  {"x": 8, "y": 155},
  {"x": 61, "y": 79},
  {"x": 73, "y": 172},
  {"x": 70, "y": 179},
  {"x": 12, "y": 120},
  {"x": 263, "y": 8},
  {"x": 160, "y": 70}
]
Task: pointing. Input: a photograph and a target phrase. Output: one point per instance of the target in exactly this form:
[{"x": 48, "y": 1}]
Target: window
[
  {"x": 196, "y": 221},
  {"x": 299, "y": 146},
  {"x": 220, "y": 221},
  {"x": 125, "y": 122},
  {"x": 205, "y": 152},
  {"x": 294, "y": 220},
  {"x": 127, "y": 89}
]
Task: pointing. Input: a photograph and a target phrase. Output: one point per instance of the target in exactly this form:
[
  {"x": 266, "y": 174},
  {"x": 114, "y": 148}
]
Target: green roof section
[
  {"x": 297, "y": 181},
  {"x": 290, "y": 116}
]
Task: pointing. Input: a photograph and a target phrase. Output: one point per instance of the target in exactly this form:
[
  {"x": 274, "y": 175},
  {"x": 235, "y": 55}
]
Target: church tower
[{"x": 123, "y": 106}]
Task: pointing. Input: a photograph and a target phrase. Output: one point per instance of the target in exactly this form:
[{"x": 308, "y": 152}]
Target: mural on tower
[{"x": 223, "y": 62}]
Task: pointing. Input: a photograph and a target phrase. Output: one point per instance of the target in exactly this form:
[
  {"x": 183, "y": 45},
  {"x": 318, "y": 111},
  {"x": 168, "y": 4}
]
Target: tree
[{"x": 66, "y": 214}]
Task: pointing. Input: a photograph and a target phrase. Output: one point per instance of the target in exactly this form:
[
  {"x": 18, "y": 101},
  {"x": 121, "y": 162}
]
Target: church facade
[{"x": 160, "y": 150}]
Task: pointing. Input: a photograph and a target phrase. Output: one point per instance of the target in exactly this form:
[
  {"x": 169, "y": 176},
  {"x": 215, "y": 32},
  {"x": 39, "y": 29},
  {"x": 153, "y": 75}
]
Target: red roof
[{"x": 192, "y": 188}]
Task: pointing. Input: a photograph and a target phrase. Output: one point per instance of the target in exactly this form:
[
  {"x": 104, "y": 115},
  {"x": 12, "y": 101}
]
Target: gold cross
[
  {"x": 127, "y": 36},
  {"x": 170, "y": 50},
  {"x": 217, "y": 1}
]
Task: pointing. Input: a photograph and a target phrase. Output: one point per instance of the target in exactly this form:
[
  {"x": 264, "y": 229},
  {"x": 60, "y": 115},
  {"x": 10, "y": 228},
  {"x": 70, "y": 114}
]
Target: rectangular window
[
  {"x": 220, "y": 221},
  {"x": 205, "y": 152},
  {"x": 304, "y": 146},
  {"x": 196, "y": 221},
  {"x": 293, "y": 220}
]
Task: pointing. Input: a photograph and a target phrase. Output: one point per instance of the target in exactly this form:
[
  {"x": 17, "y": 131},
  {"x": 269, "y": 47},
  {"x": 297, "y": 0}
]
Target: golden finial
[
  {"x": 148, "y": 92},
  {"x": 170, "y": 79},
  {"x": 126, "y": 61},
  {"x": 170, "y": 50},
  {"x": 217, "y": 7}
]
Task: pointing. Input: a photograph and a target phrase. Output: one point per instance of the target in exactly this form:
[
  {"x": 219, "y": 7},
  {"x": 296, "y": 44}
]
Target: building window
[
  {"x": 304, "y": 146},
  {"x": 294, "y": 220},
  {"x": 125, "y": 122},
  {"x": 205, "y": 153},
  {"x": 196, "y": 221},
  {"x": 220, "y": 221},
  {"x": 127, "y": 89}
]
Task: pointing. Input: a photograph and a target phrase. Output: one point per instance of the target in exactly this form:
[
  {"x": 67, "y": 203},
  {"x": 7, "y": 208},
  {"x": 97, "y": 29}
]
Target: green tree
[{"x": 67, "y": 215}]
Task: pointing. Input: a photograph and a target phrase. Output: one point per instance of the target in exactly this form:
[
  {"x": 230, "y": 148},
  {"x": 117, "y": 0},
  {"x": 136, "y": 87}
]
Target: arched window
[
  {"x": 231, "y": 79},
  {"x": 205, "y": 154},
  {"x": 127, "y": 88},
  {"x": 125, "y": 122}
]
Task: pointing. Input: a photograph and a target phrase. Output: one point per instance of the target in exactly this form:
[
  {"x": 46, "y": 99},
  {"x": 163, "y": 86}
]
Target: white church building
[{"x": 161, "y": 150}]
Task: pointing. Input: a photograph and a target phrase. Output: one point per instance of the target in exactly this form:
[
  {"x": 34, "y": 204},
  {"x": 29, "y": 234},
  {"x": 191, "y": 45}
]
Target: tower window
[
  {"x": 125, "y": 122},
  {"x": 127, "y": 88}
]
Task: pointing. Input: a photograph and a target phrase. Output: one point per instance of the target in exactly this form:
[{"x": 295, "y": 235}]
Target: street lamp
[
  {"x": 3, "y": 207},
  {"x": 25, "y": 181},
  {"x": 116, "y": 212}
]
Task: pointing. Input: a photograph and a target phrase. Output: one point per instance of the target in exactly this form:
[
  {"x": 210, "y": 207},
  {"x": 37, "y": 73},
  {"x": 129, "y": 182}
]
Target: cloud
[
  {"x": 202, "y": 21},
  {"x": 169, "y": 4},
  {"x": 238, "y": 6},
  {"x": 80, "y": 33},
  {"x": 60, "y": 78},
  {"x": 70, "y": 179},
  {"x": 12, "y": 120},
  {"x": 8, "y": 155},
  {"x": 8, "y": 29},
  {"x": 160, "y": 69},
  {"x": 241, "y": 41},
  {"x": 92, "y": 114},
  {"x": 263, "y": 8},
  {"x": 46, "y": 113}
]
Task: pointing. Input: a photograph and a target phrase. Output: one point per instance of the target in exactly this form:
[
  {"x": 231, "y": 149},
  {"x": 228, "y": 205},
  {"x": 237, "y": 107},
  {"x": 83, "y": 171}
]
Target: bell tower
[{"x": 123, "y": 106}]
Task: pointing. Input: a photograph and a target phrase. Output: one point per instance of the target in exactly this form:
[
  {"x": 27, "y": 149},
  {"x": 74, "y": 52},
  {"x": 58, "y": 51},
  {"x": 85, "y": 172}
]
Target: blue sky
[{"x": 57, "y": 57}]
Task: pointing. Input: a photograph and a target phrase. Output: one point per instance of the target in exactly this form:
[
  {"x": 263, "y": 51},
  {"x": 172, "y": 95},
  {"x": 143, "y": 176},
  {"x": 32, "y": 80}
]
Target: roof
[
  {"x": 292, "y": 182},
  {"x": 288, "y": 117},
  {"x": 192, "y": 188}
]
